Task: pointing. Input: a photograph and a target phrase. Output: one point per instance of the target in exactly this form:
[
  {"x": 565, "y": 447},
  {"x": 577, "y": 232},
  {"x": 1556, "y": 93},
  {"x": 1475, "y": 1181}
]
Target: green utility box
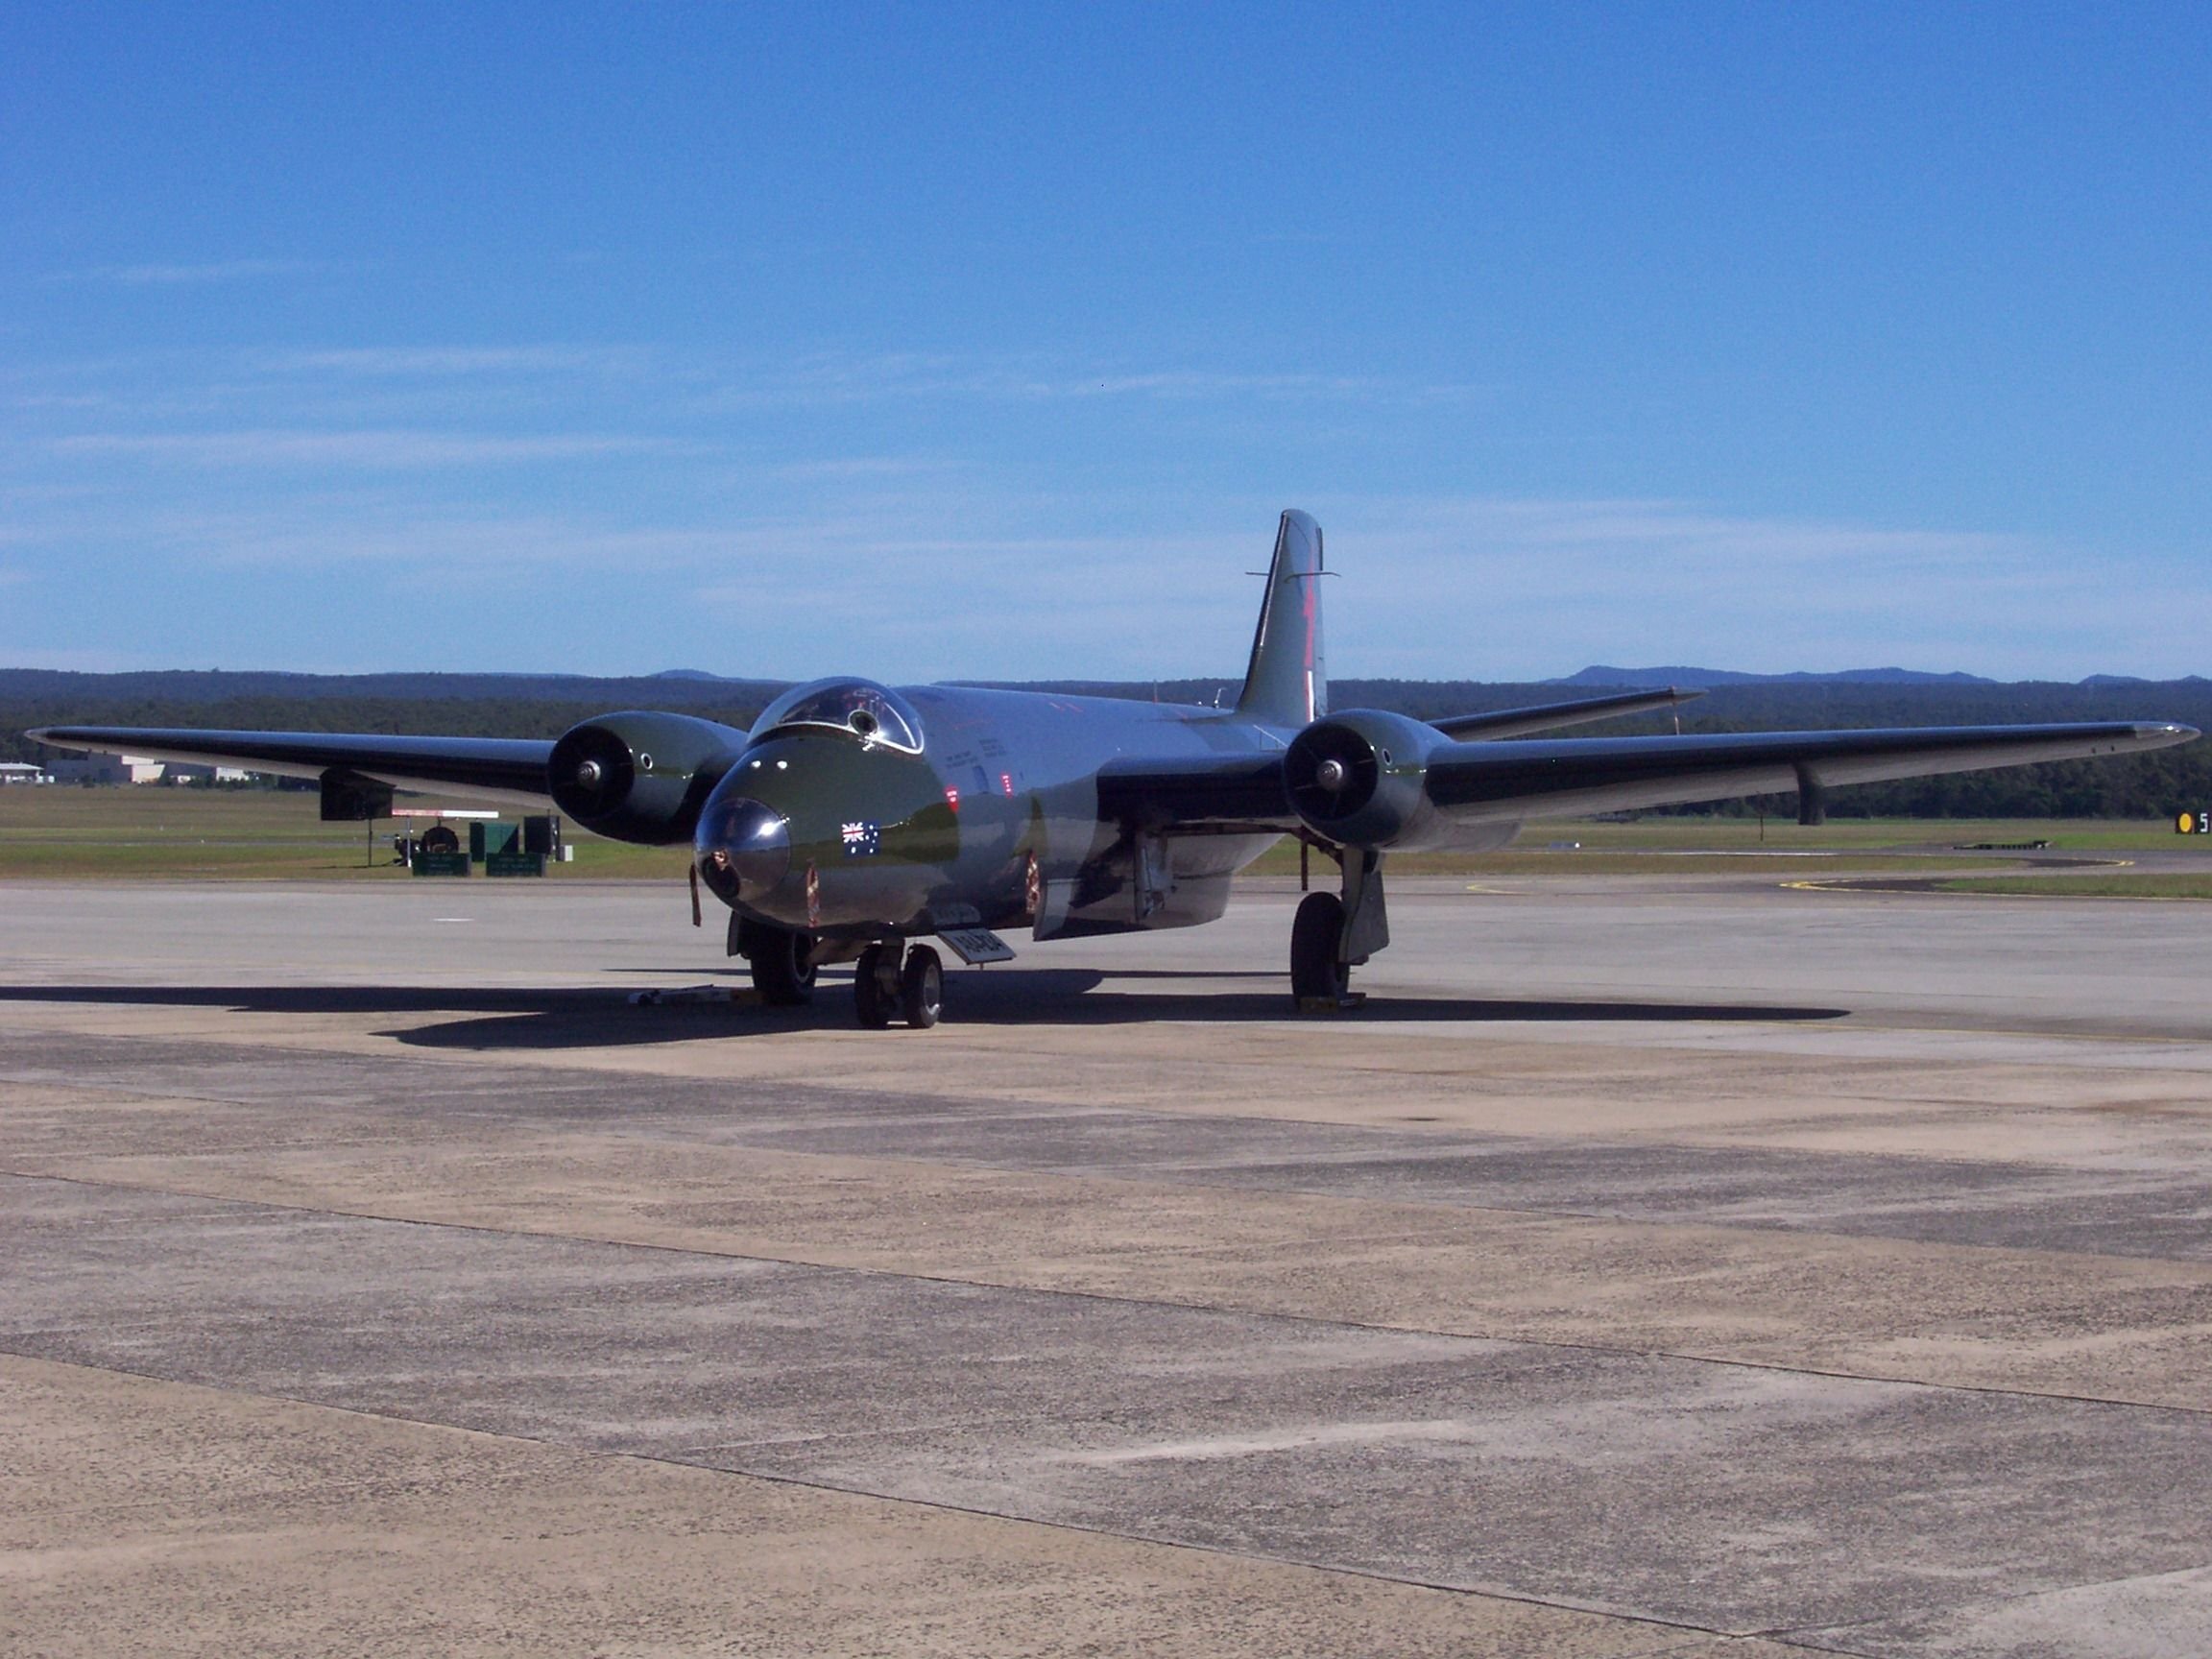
[
  {"x": 487, "y": 836},
  {"x": 513, "y": 863},
  {"x": 441, "y": 864}
]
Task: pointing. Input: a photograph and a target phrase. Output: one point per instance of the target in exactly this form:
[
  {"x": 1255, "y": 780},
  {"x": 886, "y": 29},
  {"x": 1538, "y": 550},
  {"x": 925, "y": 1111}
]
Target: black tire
[
  {"x": 870, "y": 1002},
  {"x": 781, "y": 972},
  {"x": 438, "y": 838},
  {"x": 1314, "y": 971},
  {"x": 921, "y": 988}
]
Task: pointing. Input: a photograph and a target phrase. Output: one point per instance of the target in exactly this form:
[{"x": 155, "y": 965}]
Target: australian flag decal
[{"x": 863, "y": 839}]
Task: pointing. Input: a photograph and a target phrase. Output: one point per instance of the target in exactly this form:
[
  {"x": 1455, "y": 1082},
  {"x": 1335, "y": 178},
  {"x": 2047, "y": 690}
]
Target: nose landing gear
[
  {"x": 885, "y": 985},
  {"x": 782, "y": 960}
]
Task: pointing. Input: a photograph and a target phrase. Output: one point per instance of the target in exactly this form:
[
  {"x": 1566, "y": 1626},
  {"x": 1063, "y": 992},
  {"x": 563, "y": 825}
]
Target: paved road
[{"x": 1691, "y": 1267}]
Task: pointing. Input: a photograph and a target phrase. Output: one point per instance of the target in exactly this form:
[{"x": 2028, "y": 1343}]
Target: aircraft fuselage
[{"x": 994, "y": 823}]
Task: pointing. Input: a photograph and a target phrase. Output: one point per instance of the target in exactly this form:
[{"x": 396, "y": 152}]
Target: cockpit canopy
[{"x": 859, "y": 707}]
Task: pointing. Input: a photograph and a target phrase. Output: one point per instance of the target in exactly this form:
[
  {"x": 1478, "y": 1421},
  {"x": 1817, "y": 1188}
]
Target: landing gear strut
[
  {"x": 885, "y": 985},
  {"x": 1331, "y": 935}
]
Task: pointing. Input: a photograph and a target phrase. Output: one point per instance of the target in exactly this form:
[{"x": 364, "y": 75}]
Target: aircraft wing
[
  {"x": 501, "y": 768},
  {"x": 1545, "y": 717},
  {"x": 1516, "y": 778},
  {"x": 1491, "y": 780}
]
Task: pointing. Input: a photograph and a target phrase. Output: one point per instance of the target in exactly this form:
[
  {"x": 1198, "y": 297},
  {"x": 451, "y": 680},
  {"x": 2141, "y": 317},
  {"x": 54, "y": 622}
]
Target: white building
[
  {"x": 107, "y": 769},
  {"x": 23, "y": 772}
]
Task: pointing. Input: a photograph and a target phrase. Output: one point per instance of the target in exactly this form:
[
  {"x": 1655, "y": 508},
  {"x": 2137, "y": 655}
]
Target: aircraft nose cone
[{"x": 743, "y": 848}]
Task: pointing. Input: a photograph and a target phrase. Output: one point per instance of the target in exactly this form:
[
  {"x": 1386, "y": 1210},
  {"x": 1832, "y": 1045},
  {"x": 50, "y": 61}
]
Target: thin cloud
[
  {"x": 217, "y": 271},
  {"x": 903, "y": 376},
  {"x": 1527, "y": 589},
  {"x": 387, "y": 450},
  {"x": 868, "y": 467},
  {"x": 89, "y": 662},
  {"x": 459, "y": 361}
]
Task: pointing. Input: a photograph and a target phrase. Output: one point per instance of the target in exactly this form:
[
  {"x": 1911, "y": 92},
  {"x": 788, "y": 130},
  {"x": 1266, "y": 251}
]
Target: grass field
[
  {"x": 239, "y": 835},
  {"x": 258, "y": 834}
]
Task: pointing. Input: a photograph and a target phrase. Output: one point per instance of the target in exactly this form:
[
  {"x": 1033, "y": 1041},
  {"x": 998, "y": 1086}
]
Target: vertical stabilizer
[{"x": 1286, "y": 684}]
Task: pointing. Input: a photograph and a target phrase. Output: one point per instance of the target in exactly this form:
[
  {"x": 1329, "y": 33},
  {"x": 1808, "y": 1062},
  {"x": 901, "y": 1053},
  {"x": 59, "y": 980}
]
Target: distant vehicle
[{"x": 855, "y": 821}]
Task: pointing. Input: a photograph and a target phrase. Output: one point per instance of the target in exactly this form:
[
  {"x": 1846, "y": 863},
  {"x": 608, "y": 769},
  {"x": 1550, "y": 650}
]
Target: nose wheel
[
  {"x": 783, "y": 967},
  {"x": 782, "y": 960},
  {"x": 885, "y": 985}
]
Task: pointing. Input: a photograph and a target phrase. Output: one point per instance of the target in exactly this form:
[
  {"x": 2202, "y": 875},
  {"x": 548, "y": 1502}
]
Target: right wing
[{"x": 495, "y": 768}]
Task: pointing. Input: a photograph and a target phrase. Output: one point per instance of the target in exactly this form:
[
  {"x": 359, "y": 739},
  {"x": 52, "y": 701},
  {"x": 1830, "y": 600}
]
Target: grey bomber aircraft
[{"x": 855, "y": 821}]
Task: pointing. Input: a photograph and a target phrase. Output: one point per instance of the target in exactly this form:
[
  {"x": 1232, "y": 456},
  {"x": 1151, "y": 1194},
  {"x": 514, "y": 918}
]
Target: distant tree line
[{"x": 2151, "y": 786}]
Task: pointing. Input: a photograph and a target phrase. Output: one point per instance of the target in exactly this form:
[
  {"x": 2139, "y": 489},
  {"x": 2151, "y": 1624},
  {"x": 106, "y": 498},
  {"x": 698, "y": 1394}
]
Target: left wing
[
  {"x": 1545, "y": 717},
  {"x": 495, "y": 768},
  {"x": 1569, "y": 776}
]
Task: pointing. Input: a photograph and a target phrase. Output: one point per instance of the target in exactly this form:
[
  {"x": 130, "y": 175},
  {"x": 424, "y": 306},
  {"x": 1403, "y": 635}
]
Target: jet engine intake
[
  {"x": 1357, "y": 777},
  {"x": 640, "y": 775}
]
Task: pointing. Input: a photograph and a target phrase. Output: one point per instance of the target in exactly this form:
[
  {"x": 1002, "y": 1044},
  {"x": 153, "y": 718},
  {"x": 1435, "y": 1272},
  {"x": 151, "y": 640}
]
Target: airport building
[{"x": 135, "y": 769}]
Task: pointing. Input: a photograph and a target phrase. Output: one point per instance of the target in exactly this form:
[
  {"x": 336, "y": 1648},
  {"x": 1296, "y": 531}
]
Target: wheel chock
[
  {"x": 1343, "y": 1005},
  {"x": 733, "y": 996}
]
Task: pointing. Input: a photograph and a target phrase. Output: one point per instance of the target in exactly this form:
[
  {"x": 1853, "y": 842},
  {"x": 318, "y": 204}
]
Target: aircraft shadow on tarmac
[{"x": 505, "y": 1018}]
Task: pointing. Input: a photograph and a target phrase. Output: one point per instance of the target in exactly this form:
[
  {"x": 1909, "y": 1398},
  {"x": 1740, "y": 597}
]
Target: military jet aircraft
[{"x": 853, "y": 822}]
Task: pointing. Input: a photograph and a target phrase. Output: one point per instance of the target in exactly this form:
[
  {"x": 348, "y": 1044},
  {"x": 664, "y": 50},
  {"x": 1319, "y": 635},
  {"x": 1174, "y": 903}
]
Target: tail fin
[{"x": 1286, "y": 684}]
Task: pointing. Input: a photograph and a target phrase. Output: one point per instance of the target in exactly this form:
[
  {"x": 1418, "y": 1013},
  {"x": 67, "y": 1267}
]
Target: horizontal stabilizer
[{"x": 1544, "y": 716}]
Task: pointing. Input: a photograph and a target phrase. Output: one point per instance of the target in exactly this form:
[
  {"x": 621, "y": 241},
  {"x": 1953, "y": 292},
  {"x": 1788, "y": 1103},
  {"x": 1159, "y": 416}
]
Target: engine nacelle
[
  {"x": 1357, "y": 778},
  {"x": 640, "y": 775}
]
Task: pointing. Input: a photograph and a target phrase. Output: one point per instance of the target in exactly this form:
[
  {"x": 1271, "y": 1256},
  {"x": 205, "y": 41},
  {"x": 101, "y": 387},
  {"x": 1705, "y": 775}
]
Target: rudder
[{"x": 1286, "y": 684}]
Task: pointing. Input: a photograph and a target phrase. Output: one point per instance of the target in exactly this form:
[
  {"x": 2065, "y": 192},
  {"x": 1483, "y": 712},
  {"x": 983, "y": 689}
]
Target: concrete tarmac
[{"x": 1683, "y": 1266}]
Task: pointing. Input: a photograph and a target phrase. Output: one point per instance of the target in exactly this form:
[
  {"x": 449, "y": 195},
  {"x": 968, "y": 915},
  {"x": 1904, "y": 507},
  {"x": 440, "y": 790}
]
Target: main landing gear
[
  {"x": 1333, "y": 934},
  {"x": 889, "y": 981},
  {"x": 885, "y": 985}
]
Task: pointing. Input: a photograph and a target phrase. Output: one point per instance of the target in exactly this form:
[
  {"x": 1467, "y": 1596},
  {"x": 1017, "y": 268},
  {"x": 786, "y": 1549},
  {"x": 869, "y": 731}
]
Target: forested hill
[
  {"x": 543, "y": 706},
  {"x": 198, "y": 689}
]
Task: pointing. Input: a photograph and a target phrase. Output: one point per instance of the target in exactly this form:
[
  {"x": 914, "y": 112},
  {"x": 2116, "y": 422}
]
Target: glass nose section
[{"x": 743, "y": 848}]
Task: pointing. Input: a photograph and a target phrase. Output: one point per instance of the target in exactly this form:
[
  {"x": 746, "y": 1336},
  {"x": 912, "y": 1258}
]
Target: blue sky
[{"x": 937, "y": 341}]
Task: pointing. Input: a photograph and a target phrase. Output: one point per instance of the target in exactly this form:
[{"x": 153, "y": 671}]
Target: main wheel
[
  {"x": 874, "y": 1004},
  {"x": 921, "y": 988},
  {"x": 781, "y": 972},
  {"x": 1314, "y": 971}
]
